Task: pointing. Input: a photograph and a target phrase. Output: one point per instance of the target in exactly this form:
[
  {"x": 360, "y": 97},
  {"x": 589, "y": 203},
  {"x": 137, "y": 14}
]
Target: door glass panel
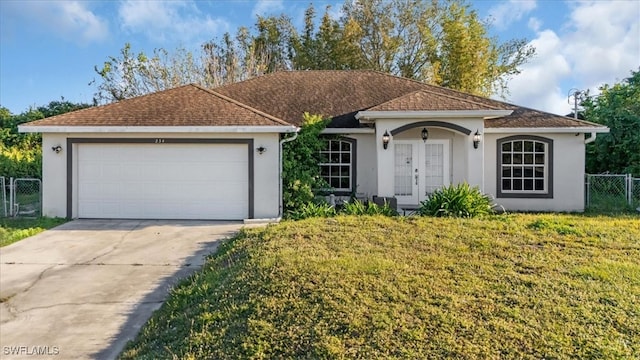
[
  {"x": 403, "y": 169},
  {"x": 434, "y": 167}
]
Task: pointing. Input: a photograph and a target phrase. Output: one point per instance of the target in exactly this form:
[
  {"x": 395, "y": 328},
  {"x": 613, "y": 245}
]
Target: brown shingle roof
[
  {"x": 525, "y": 118},
  {"x": 188, "y": 105},
  {"x": 425, "y": 100},
  {"x": 336, "y": 94},
  {"x": 341, "y": 94},
  {"x": 281, "y": 98}
]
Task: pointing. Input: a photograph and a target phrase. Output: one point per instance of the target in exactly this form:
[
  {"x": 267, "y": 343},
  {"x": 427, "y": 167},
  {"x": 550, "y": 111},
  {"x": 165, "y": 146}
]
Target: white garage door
[{"x": 163, "y": 181}]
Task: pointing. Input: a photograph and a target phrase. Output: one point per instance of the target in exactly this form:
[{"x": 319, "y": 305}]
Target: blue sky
[{"x": 48, "y": 49}]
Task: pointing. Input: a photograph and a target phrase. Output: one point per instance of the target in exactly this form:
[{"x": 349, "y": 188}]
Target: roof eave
[
  {"x": 568, "y": 129},
  {"x": 369, "y": 116},
  {"x": 155, "y": 129},
  {"x": 333, "y": 131}
]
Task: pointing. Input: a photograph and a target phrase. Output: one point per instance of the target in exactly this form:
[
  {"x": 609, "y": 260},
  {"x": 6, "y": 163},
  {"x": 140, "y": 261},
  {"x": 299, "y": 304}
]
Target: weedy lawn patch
[
  {"x": 510, "y": 286},
  {"x": 13, "y": 230}
]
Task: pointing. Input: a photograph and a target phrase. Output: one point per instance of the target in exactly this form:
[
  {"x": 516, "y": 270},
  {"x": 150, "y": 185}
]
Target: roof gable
[
  {"x": 188, "y": 105},
  {"x": 425, "y": 100}
]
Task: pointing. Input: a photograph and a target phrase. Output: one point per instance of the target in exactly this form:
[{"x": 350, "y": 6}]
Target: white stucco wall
[
  {"x": 568, "y": 175},
  {"x": 366, "y": 173},
  {"x": 266, "y": 169}
]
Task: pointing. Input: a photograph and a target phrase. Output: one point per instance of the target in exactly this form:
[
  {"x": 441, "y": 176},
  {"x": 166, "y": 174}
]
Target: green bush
[
  {"x": 312, "y": 209},
  {"x": 21, "y": 161},
  {"x": 300, "y": 170},
  {"x": 459, "y": 200},
  {"x": 357, "y": 207}
]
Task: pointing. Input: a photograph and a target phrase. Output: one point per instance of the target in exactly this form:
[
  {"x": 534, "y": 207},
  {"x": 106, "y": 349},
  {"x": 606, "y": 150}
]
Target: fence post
[
  {"x": 11, "y": 197},
  {"x": 588, "y": 190},
  {"x": 3, "y": 196},
  {"x": 629, "y": 189}
]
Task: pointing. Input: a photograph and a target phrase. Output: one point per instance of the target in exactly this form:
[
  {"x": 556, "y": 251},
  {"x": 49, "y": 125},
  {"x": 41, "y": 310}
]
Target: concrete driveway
[{"x": 83, "y": 289}]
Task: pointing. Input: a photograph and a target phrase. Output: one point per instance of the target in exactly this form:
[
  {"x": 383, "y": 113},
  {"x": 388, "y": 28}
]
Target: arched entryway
[{"x": 423, "y": 158}]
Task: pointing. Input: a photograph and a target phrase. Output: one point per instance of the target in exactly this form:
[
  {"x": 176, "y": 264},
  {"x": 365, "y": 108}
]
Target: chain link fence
[
  {"x": 4, "y": 206},
  {"x": 612, "y": 192},
  {"x": 21, "y": 197},
  {"x": 635, "y": 193}
]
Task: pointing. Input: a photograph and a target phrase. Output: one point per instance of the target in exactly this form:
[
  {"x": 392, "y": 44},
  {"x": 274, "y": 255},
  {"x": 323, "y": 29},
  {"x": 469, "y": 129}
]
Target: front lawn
[
  {"x": 512, "y": 286},
  {"x": 12, "y": 230}
]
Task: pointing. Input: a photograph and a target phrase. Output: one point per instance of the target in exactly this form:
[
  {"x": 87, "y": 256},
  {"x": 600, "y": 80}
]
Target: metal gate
[
  {"x": 21, "y": 197},
  {"x": 4, "y": 206}
]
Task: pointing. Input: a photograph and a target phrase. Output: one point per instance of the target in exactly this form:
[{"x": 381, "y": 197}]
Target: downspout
[
  {"x": 590, "y": 139},
  {"x": 295, "y": 136}
]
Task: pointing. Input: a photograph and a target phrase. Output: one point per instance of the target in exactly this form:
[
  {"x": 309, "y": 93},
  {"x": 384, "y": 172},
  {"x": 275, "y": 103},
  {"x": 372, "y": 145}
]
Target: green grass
[
  {"x": 521, "y": 286},
  {"x": 12, "y": 230}
]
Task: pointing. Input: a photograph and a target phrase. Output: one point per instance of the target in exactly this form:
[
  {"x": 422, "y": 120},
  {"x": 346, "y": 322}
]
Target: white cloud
[
  {"x": 537, "y": 86},
  {"x": 602, "y": 50},
  {"x": 266, "y": 7},
  {"x": 74, "y": 17},
  {"x": 534, "y": 24},
  {"x": 169, "y": 20},
  {"x": 589, "y": 51},
  {"x": 70, "y": 20},
  {"x": 510, "y": 11}
]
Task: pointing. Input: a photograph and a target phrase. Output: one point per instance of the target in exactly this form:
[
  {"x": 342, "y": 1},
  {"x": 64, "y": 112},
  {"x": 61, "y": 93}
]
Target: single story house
[{"x": 196, "y": 153}]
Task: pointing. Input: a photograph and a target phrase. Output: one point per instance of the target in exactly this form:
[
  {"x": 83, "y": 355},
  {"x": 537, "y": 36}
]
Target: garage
[
  {"x": 184, "y": 153},
  {"x": 150, "y": 180}
]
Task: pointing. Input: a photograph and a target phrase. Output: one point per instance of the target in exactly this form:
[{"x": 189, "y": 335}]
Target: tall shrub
[
  {"x": 618, "y": 107},
  {"x": 300, "y": 170},
  {"x": 21, "y": 162},
  {"x": 21, "y": 154}
]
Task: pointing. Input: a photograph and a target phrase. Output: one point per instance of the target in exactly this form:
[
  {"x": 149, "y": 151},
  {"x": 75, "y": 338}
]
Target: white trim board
[
  {"x": 346, "y": 131},
  {"x": 546, "y": 130},
  {"x": 456, "y": 114},
  {"x": 156, "y": 129}
]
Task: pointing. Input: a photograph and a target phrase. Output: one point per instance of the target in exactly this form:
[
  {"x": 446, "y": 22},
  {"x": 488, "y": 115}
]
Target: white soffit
[
  {"x": 431, "y": 114},
  {"x": 546, "y": 130},
  {"x": 156, "y": 129}
]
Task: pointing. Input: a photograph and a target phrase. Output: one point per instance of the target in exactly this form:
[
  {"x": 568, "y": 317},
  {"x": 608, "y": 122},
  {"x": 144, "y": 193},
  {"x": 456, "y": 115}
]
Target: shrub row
[
  {"x": 354, "y": 207},
  {"x": 460, "y": 200}
]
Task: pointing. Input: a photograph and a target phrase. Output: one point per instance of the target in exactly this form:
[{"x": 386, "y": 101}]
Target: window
[
  {"x": 337, "y": 164},
  {"x": 525, "y": 167}
]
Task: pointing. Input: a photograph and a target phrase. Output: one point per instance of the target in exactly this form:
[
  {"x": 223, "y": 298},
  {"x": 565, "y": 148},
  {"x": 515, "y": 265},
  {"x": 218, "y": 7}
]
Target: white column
[{"x": 384, "y": 160}]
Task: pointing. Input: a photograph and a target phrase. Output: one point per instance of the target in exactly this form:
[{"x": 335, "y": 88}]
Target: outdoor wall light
[
  {"x": 385, "y": 139},
  {"x": 425, "y": 134},
  {"x": 56, "y": 149},
  {"x": 477, "y": 137},
  {"x": 261, "y": 150}
]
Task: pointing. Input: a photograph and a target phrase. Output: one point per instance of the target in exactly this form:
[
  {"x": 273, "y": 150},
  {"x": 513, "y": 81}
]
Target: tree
[
  {"x": 21, "y": 154},
  {"x": 617, "y": 107},
  {"x": 129, "y": 75},
  {"x": 441, "y": 42},
  {"x": 377, "y": 31},
  {"x": 438, "y": 42},
  {"x": 330, "y": 47}
]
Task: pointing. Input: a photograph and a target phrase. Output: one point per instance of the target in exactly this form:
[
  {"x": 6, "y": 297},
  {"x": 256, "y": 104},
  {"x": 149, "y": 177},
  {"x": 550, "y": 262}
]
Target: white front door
[{"x": 419, "y": 169}]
